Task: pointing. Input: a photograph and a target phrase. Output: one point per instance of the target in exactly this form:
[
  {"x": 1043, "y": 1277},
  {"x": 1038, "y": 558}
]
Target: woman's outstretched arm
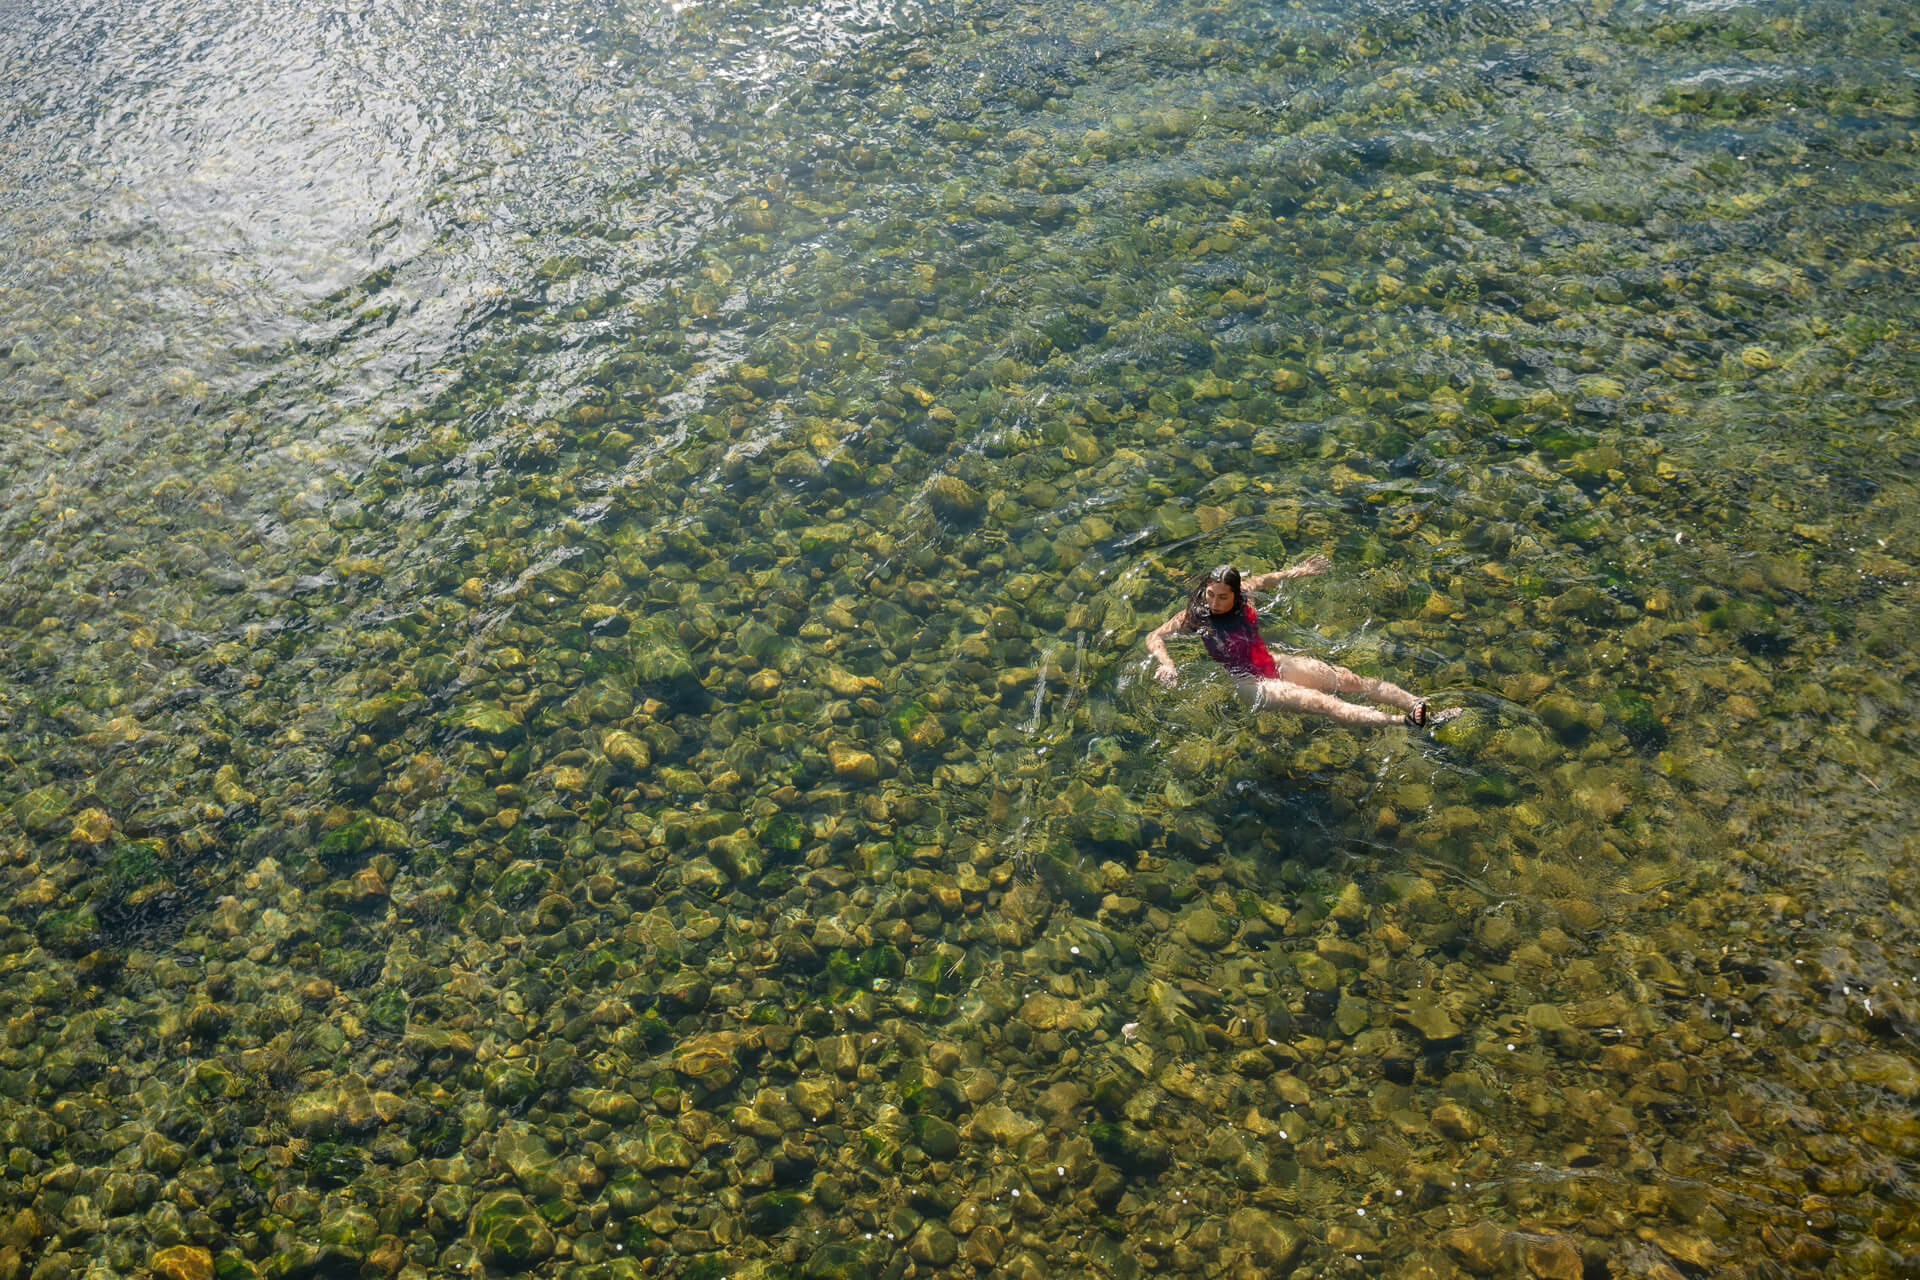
[
  {"x": 1307, "y": 568},
  {"x": 1157, "y": 645}
]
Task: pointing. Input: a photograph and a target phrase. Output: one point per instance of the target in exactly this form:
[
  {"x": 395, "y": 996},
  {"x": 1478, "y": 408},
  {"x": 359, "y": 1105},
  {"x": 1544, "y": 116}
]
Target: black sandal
[{"x": 1417, "y": 718}]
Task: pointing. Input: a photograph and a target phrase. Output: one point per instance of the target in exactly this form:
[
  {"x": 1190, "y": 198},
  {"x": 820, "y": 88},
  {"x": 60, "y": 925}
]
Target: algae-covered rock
[
  {"x": 772, "y": 1212},
  {"x": 658, "y": 653},
  {"x": 1275, "y": 1243},
  {"x": 1205, "y": 927},
  {"x": 41, "y": 810},
  {"x": 936, "y": 1137},
  {"x": 508, "y": 1233},
  {"x": 526, "y": 1155},
  {"x": 1001, "y": 1124},
  {"x": 69, "y": 932},
  {"x": 349, "y": 1232},
  {"x": 1316, "y": 972},
  {"x": 953, "y": 498},
  {"x": 1424, "y": 1014},
  {"x": 509, "y": 1083},
  {"x": 852, "y": 763},
  {"x": 710, "y": 1060},
  {"x": 842, "y": 1262},
  {"x": 1482, "y": 1249},
  {"x": 386, "y": 714},
  {"x": 486, "y": 720},
  {"x": 1350, "y": 910},
  {"x": 933, "y": 1245},
  {"x": 182, "y": 1262}
]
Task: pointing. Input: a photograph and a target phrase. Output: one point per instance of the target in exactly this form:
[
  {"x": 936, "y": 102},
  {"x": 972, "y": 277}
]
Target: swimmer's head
[{"x": 1217, "y": 593}]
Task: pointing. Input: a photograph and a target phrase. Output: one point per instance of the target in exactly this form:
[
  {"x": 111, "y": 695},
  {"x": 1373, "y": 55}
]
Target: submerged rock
[
  {"x": 508, "y": 1233},
  {"x": 182, "y": 1262},
  {"x": 1273, "y": 1242}
]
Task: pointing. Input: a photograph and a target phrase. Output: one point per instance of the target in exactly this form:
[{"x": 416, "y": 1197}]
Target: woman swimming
[{"x": 1218, "y": 613}]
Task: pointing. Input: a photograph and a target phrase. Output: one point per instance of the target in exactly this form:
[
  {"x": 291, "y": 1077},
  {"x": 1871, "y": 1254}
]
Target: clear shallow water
[{"x": 572, "y": 602}]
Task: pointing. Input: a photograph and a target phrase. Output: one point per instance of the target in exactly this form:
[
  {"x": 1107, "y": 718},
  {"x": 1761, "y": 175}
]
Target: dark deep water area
[{"x": 572, "y": 593}]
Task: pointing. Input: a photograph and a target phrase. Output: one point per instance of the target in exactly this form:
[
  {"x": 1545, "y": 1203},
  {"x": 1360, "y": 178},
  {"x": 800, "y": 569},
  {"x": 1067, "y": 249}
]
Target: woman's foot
[{"x": 1417, "y": 718}]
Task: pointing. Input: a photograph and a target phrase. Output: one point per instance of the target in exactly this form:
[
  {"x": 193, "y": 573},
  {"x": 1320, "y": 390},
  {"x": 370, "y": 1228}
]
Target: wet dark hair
[{"x": 1199, "y": 612}]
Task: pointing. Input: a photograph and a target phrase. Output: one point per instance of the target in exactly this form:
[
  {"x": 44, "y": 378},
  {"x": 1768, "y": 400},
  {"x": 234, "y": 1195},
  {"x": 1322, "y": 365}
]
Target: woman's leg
[
  {"x": 1284, "y": 695},
  {"x": 1327, "y": 678}
]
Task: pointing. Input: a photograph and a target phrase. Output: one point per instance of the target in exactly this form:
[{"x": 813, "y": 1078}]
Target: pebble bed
[{"x": 572, "y": 696}]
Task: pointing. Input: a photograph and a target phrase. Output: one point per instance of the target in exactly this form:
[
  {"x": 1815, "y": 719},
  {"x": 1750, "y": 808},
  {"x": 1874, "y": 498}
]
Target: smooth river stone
[
  {"x": 1274, "y": 1241},
  {"x": 1428, "y": 1018},
  {"x": 1204, "y": 927},
  {"x": 1002, "y": 1124}
]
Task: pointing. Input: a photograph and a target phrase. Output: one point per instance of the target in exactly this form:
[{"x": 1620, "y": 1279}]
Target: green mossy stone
[
  {"x": 526, "y": 1154},
  {"x": 133, "y": 863},
  {"x": 782, "y": 833},
  {"x": 213, "y": 1080},
  {"x": 658, "y": 653},
  {"x": 1590, "y": 467},
  {"x": 1560, "y": 442},
  {"x": 350, "y": 1232},
  {"x": 564, "y": 583},
  {"x": 1526, "y": 746},
  {"x": 1492, "y": 788},
  {"x": 486, "y": 720},
  {"x": 1635, "y": 715},
  {"x": 1425, "y": 1016},
  {"x": 841, "y": 971},
  {"x": 435, "y": 671},
  {"x": 508, "y": 1231},
  {"x": 231, "y": 1265},
  {"x": 1316, "y": 972},
  {"x": 508, "y": 1084},
  {"x": 69, "y": 932},
  {"x": 935, "y": 1136},
  {"x": 40, "y": 811},
  {"x": 517, "y": 885},
  {"x": 629, "y": 1196},
  {"x": 386, "y": 714},
  {"x": 1111, "y": 1094},
  {"x": 772, "y": 1212},
  {"x": 841, "y": 1262},
  {"x": 883, "y": 960},
  {"x": 1205, "y": 927},
  {"x": 347, "y": 842},
  {"x": 654, "y": 1031}
]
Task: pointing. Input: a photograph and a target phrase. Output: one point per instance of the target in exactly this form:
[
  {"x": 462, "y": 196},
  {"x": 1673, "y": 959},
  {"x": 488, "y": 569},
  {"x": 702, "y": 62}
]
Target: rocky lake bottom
[{"x": 572, "y": 689}]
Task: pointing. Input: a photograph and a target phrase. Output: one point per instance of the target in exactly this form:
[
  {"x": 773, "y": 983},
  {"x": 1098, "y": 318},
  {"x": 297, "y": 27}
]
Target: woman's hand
[
  {"x": 1312, "y": 565},
  {"x": 1157, "y": 646}
]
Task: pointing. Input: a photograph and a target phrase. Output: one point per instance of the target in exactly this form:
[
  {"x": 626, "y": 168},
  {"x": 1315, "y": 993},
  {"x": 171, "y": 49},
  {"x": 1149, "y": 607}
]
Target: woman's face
[{"x": 1219, "y": 597}]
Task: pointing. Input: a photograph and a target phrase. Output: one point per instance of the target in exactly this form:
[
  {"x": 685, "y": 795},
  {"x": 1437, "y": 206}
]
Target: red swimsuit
[{"x": 1233, "y": 641}]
